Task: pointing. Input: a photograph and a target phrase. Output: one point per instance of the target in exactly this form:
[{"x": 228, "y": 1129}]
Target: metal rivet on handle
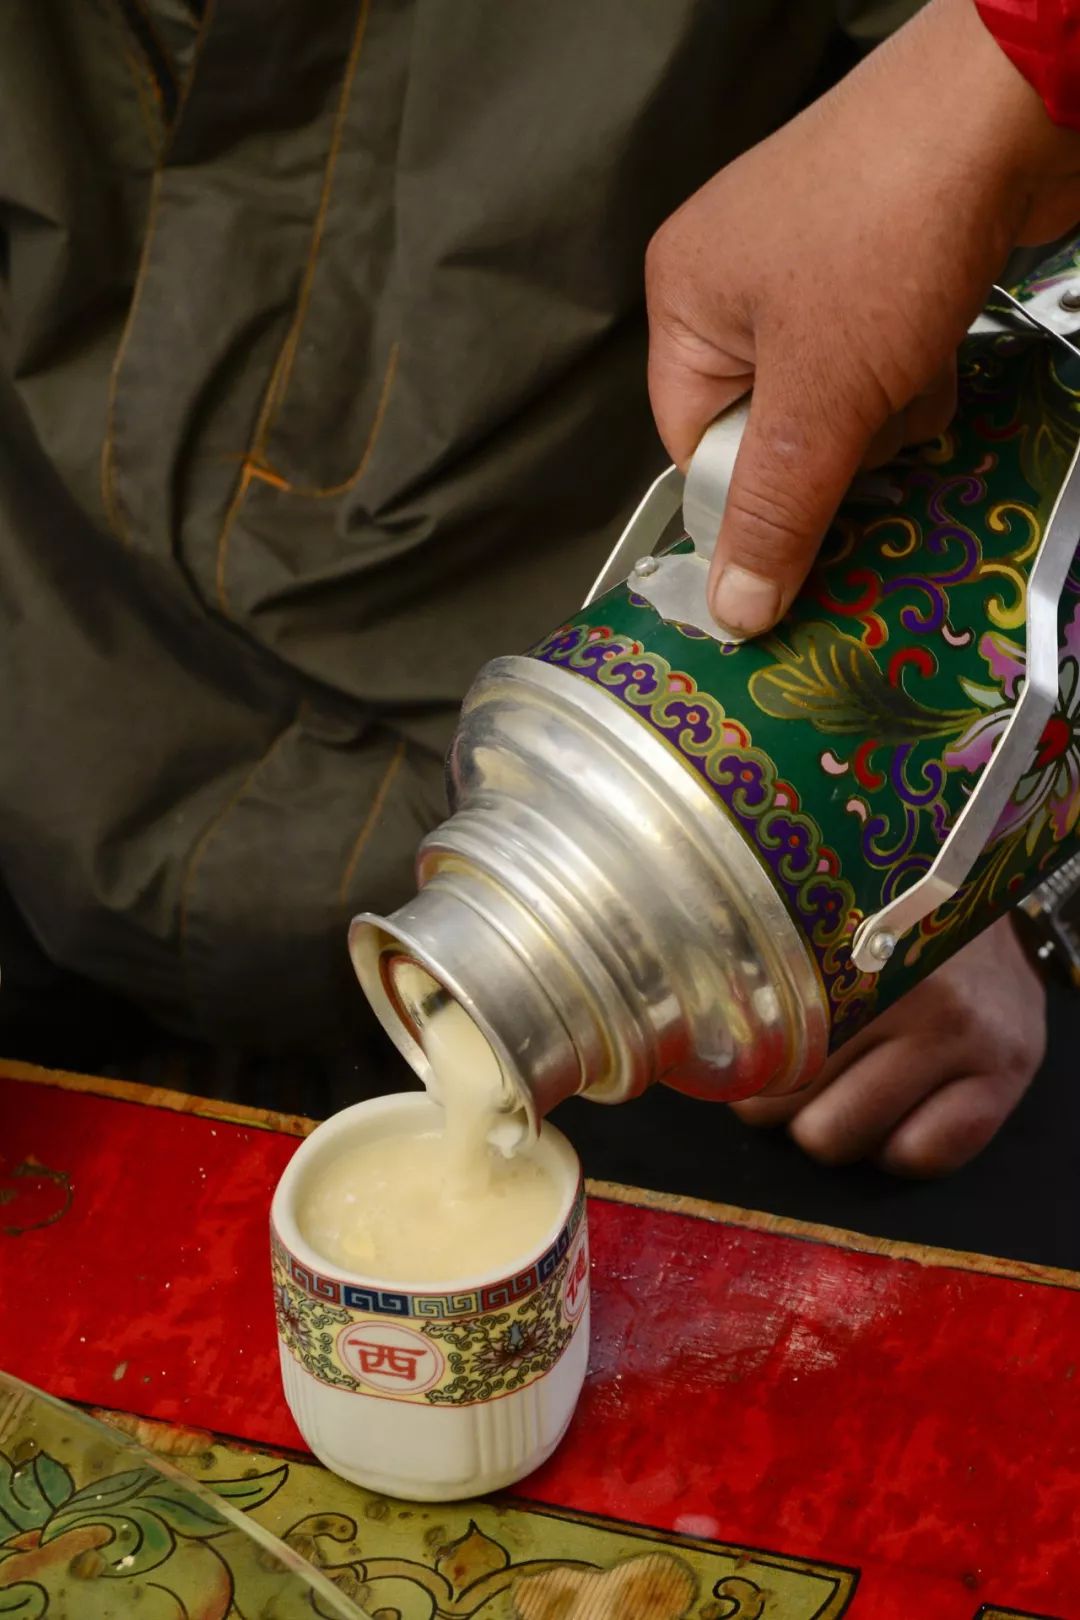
[
  {"x": 881, "y": 945},
  {"x": 645, "y": 566},
  {"x": 1070, "y": 298}
]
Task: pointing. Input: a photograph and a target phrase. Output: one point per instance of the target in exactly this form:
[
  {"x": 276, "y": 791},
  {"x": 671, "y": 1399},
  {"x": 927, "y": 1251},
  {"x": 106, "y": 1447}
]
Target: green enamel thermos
[{"x": 674, "y": 858}]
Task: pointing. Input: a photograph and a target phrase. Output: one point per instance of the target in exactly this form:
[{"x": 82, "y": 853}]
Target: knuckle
[
  {"x": 928, "y": 1154},
  {"x": 921, "y": 1160},
  {"x": 953, "y": 1010},
  {"x": 958, "y": 1131},
  {"x": 654, "y": 269},
  {"x": 824, "y": 1140},
  {"x": 926, "y": 1157},
  {"x": 964, "y": 1022},
  {"x": 656, "y": 253},
  {"x": 1020, "y": 1051},
  {"x": 663, "y": 260}
]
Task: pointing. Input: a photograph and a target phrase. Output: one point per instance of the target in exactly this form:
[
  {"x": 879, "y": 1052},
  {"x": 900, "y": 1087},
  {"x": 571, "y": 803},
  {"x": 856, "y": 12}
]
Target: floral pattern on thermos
[{"x": 844, "y": 745}]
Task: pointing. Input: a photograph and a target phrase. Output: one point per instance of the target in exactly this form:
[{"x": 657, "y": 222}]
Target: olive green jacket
[{"x": 321, "y": 382}]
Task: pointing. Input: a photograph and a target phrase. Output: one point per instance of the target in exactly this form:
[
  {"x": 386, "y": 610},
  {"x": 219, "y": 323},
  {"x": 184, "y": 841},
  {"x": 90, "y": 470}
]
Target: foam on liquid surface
[{"x": 434, "y": 1208}]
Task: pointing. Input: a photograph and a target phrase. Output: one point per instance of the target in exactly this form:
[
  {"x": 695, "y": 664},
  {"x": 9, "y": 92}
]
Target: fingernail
[{"x": 744, "y": 602}]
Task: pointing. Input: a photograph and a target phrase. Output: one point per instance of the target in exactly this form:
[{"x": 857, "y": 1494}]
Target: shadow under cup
[{"x": 430, "y": 1393}]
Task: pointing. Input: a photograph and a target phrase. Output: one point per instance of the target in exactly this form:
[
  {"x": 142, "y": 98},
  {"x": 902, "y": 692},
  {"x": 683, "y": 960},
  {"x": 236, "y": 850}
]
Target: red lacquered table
[{"x": 781, "y": 1422}]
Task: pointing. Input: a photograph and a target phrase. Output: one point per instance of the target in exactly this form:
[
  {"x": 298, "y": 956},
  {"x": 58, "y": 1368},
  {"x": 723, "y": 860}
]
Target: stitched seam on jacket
[
  {"x": 140, "y": 25},
  {"x": 371, "y": 820},
  {"x": 114, "y": 512},
  {"x": 320, "y": 492},
  {"x": 282, "y": 367}
]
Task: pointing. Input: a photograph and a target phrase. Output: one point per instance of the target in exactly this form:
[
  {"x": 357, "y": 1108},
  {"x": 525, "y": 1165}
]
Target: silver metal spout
[
  {"x": 450, "y": 941},
  {"x": 594, "y": 911}
]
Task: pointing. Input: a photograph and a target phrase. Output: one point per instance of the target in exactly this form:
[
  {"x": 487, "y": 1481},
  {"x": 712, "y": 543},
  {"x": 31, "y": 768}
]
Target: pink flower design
[{"x": 1049, "y": 791}]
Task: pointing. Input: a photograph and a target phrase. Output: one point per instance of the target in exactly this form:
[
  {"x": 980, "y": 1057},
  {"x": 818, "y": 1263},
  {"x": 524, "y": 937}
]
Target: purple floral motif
[
  {"x": 1049, "y": 791},
  {"x": 876, "y": 850},
  {"x": 906, "y": 791},
  {"x": 745, "y": 778},
  {"x": 633, "y": 673},
  {"x": 565, "y": 640},
  {"x": 903, "y": 875},
  {"x": 792, "y": 840},
  {"x": 824, "y": 903},
  {"x": 944, "y": 538},
  {"x": 689, "y": 720}
]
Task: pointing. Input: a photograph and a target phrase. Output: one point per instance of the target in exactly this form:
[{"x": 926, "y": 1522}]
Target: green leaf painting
[
  {"x": 27, "y": 1601},
  {"x": 834, "y": 682},
  {"x": 30, "y": 1493}
]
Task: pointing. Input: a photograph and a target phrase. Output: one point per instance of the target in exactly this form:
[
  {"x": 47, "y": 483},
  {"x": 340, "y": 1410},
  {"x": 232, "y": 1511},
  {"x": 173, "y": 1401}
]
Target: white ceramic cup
[{"x": 441, "y": 1392}]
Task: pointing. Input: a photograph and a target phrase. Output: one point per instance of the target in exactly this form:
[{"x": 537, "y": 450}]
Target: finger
[
  {"x": 930, "y": 412},
  {"x": 690, "y": 384},
  {"x": 767, "y": 1112},
  {"x": 949, "y": 1128},
  {"x": 926, "y": 418},
  {"x": 693, "y": 377},
  {"x": 886, "y": 444},
  {"x": 856, "y": 1115},
  {"x": 793, "y": 468}
]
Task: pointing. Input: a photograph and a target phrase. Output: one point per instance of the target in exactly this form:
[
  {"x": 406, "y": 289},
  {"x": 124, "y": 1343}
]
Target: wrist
[
  {"x": 1039, "y": 157},
  {"x": 986, "y": 123}
]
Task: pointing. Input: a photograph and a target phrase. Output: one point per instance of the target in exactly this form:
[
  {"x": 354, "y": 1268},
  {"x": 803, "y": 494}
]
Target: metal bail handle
[
  {"x": 877, "y": 936},
  {"x": 709, "y": 476},
  {"x": 675, "y": 584}
]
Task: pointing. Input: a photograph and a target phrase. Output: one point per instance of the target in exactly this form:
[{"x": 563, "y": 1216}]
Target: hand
[
  {"x": 924, "y": 1088},
  {"x": 835, "y": 268}
]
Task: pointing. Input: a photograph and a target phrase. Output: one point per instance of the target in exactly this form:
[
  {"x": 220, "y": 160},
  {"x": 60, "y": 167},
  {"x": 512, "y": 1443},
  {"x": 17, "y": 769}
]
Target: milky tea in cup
[{"x": 432, "y": 1295}]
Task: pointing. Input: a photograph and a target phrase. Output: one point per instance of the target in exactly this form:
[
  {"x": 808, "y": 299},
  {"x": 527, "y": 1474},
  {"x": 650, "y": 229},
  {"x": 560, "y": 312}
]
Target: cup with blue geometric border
[{"x": 431, "y": 1393}]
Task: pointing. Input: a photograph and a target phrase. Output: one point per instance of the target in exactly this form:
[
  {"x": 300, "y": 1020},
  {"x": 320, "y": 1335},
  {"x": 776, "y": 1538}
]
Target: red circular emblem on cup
[{"x": 391, "y": 1358}]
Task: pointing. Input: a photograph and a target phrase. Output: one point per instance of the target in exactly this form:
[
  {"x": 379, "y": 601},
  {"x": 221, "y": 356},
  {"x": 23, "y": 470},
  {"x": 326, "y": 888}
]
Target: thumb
[{"x": 797, "y": 458}]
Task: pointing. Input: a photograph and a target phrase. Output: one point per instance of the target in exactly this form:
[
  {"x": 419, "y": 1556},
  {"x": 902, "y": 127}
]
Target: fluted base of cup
[{"x": 437, "y": 1454}]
